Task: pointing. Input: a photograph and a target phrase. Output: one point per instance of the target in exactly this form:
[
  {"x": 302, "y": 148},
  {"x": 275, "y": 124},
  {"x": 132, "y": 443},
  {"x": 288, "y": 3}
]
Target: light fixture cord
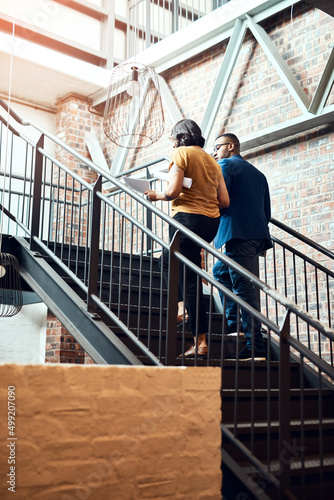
[{"x": 7, "y": 127}]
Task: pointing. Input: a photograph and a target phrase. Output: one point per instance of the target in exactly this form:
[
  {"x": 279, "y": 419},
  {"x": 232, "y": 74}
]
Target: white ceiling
[{"x": 41, "y": 76}]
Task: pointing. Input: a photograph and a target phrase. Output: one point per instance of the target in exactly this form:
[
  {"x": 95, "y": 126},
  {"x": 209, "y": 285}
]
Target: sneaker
[{"x": 246, "y": 355}]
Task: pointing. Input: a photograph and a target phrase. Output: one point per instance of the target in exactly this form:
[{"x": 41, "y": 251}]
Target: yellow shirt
[{"x": 205, "y": 173}]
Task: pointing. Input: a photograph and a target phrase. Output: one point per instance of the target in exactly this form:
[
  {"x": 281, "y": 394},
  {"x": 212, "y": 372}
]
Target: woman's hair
[{"x": 187, "y": 133}]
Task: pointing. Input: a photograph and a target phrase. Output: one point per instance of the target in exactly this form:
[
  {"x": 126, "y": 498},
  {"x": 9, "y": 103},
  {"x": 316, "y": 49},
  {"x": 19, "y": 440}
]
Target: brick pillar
[{"x": 74, "y": 119}]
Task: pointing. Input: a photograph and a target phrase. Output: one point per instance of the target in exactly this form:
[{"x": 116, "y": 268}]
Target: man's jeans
[{"x": 245, "y": 253}]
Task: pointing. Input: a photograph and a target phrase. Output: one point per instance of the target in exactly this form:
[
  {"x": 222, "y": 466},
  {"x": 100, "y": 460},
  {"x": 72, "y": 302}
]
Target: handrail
[
  {"x": 195, "y": 238},
  {"x": 305, "y": 257},
  {"x": 95, "y": 199},
  {"x": 303, "y": 238}
]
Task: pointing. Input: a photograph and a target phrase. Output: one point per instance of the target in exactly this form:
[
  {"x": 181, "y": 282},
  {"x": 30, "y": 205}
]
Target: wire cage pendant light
[
  {"x": 133, "y": 116},
  {"x": 11, "y": 298}
]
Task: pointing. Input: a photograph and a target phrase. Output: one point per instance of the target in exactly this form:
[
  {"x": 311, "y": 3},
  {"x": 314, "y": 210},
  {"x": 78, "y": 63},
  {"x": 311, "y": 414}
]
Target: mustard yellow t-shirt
[{"x": 205, "y": 173}]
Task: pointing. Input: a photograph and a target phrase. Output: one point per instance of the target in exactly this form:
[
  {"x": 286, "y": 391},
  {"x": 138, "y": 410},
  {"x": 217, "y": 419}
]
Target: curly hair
[{"x": 187, "y": 133}]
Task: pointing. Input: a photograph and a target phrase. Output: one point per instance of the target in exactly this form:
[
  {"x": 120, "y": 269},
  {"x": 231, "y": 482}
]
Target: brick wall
[
  {"x": 93, "y": 433},
  {"x": 299, "y": 168},
  {"x": 74, "y": 119}
]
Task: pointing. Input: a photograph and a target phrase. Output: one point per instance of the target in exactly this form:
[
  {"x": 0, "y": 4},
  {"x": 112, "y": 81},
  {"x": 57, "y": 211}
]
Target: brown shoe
[{"x": 190, "y": 353}]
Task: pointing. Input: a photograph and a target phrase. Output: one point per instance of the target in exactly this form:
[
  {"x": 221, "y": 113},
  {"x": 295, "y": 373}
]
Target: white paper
[
  {"x": 140, "y": 185},
  {"x": 187, "y": 182}
]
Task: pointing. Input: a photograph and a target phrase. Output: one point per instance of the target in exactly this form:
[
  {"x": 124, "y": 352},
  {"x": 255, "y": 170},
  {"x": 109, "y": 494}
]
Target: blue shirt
[{"x": 249, "y": 212}]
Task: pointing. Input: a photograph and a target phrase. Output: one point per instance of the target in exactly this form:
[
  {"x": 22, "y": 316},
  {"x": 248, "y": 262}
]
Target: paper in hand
[{"x": 140, "y": 185}]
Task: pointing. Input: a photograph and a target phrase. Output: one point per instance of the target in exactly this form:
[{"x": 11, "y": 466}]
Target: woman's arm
[
  {"x": 222, "y": 193},
  {"x": 173, "y": 189}
]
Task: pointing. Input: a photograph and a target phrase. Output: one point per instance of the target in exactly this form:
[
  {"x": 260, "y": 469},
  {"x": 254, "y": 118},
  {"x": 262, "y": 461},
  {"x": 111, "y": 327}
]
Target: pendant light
[
  {"x": 133, "y": 115},
  {"x": 11, "y": 298}
]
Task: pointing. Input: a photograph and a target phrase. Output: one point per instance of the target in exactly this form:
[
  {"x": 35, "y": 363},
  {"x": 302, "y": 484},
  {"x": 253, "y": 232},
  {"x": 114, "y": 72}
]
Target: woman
[{"x": 197, "y": 209}]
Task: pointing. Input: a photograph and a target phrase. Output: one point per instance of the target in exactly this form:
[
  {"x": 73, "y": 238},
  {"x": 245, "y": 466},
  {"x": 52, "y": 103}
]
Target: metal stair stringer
[{"x": 96, "y": 338}]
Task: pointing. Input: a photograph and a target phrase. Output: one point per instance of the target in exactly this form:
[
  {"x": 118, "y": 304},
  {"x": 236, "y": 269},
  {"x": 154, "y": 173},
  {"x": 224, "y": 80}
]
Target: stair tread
[
  {"x": 308, "y": 422},
  {"x": 310, "y": 462},
  {"x": 261, "y": 391}
]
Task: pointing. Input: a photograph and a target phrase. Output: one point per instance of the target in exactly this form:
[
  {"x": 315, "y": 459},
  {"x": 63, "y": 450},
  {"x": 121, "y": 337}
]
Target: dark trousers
[
  {"x": 245, "y": 253},
  {"x": 206, "y": 228}
]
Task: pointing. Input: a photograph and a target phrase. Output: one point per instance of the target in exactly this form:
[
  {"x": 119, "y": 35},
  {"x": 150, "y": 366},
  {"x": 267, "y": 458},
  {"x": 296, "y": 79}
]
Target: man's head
[{"x": 226, "y": 145}]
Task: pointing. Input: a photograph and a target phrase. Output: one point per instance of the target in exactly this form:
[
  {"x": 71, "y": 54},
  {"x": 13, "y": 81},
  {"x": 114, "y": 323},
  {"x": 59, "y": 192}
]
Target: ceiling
[{"x": 41, "y": 76}]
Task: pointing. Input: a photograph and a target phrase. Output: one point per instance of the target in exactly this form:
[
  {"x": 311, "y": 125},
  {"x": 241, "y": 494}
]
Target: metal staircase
[{"x": 92, "y": 252}]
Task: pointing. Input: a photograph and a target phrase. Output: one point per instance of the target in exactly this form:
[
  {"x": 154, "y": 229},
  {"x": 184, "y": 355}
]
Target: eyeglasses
[{"x": 217, "y": 146}]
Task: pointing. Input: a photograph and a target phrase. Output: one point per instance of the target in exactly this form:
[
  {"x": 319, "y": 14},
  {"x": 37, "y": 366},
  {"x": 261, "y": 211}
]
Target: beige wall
[{"x": 92, "y": 432}]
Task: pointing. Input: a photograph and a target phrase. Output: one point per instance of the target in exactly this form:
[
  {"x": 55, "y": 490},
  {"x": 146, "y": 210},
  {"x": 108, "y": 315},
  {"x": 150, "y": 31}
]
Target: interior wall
[
  {"x": 22, "y": 337},
  {"x": 110, "y": 432}
]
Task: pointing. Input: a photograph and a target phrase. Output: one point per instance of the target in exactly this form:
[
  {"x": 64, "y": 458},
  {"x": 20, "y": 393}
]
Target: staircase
[
  {"x": 92, "y": 256},
  {"x": 257, "y": 428}
]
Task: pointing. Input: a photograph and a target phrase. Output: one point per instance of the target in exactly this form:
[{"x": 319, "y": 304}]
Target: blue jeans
[{"x": 245, "y": 253}]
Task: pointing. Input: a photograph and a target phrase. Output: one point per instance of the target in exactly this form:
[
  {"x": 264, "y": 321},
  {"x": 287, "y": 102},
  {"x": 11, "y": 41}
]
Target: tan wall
[{"x": 111, "y": 432}]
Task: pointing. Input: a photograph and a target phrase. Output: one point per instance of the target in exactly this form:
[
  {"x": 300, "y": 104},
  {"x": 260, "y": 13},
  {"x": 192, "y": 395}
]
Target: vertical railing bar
[
  {"x": 102, "y": 237},
  {"x": 210, "y": 325},
  {"x": 79, "y": 228},
  {"x": 10, "y": 172},
  {"x": 120, "y": 268},
  {"x": 43, "y": 198},
  {"x": 50, "y": 223},
  {"x": 24, "y": 179},
  {"x": 284, "y": 404},
  {"x": 64, "y": 220},
  {"x": 306, "y": 303},
  {"x": 72, "y": 237},
  {"x": 161, "y": 303},
  {"x": 57, "y": 212},
  {"x": 321, "y": 443},
  {"x": 236, "y": 383},
  {"x": 172, "y": 299},
  {"x": 140, "y": 285},
  {"x": 296, "y": 291},
  {"x": 37, "y": 193},
  {"x": 182, "y": 269},
  {"x": 130, "y": 275},
  {"x": 253, "y": 387},
  {"x": 112, "y": 259},
  {"x": 150, "y": 301},
  {"x": 87, "y": 251},
  {"x": 94, "y": 236},
  {"x": 275, "y": 277},
  {"x": 302, "y": 424},
  {"x": 269, "y": 400}
]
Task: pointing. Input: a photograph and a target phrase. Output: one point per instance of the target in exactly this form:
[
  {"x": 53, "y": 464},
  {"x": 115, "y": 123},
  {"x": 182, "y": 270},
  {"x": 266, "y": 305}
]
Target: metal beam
[
  {"x": 324, "y": 86},
  {"x": 279, "y": 64},
  {"x": 223, "y": 77},
  {"x": 283, "y": 130},
  {"x": 201, "y": 35},
  {"x": 94, "y": 336},
  {"x": 169, "y": 101}
]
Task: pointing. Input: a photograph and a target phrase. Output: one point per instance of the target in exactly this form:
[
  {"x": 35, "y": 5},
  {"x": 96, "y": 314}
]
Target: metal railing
[
  {"x": 108, "y": 240},
  {"x": 150, "y": 21}
]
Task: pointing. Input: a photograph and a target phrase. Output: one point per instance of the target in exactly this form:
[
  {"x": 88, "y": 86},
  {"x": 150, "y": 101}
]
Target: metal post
[
  {"x": 284, "y": 409},
  {"x": 148, "y": 220},
  {"x": 172, "y": 300},
  {"x": 37, "y": 192},
  {"x": 94, "y": 244}
]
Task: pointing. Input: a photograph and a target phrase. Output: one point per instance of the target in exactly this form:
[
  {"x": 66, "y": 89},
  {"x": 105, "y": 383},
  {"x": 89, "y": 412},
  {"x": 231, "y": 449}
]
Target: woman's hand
[
  {"x": 155, "y": 195},
  {"x": 173, "y": 189}
]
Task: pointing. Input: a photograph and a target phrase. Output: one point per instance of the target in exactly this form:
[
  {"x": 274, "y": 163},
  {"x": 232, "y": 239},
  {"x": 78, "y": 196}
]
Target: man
[{"x": 244, "y": 231}]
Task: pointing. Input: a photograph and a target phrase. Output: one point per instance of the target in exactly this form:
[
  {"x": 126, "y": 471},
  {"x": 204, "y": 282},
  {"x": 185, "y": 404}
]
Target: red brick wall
[
  {"x": 74, "y": 120},
  {"x": 299, "y": 168}
]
